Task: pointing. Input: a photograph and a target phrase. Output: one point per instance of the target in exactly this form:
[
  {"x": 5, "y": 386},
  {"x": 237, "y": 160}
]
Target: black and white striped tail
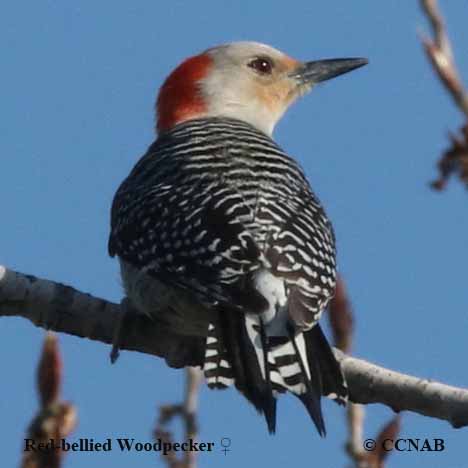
[{"x": 239, "y": 352}]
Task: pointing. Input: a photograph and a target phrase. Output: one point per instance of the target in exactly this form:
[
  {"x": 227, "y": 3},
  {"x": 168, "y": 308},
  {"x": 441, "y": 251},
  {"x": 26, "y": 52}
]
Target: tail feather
[
  {"x": 238, "y": 351},
  {"x": 333, "y": 382},
  {"x": 270, "y": 410},
  {"x": 216, "y": 366},
  {"x": 231, "y": 358},
  {"x": 257, "y": 388},
  {"x": 312, "y": 380}
]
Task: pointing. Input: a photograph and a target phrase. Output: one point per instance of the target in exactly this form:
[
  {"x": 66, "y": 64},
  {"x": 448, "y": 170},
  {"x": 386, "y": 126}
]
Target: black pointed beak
[{"x": 321, "y": 70}]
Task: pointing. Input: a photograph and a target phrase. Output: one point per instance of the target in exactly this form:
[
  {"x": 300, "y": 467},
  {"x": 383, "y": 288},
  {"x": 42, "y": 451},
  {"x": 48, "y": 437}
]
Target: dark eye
[{"x": 262, "y": 65}]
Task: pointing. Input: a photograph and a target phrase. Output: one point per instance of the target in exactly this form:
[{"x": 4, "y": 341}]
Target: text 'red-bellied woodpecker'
[{"x": 220, "y": 237}]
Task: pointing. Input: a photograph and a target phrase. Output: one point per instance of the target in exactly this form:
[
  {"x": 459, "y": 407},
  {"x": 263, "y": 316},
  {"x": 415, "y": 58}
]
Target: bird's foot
[{"x": 119, "y": 331}]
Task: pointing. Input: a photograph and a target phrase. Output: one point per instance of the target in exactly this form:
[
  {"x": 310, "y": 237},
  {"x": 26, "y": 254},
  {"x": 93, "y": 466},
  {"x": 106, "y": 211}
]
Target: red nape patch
[{"x": 179, "y": 97}]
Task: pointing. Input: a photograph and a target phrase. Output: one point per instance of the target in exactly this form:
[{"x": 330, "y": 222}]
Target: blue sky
[{"x": 78, "y": 84}]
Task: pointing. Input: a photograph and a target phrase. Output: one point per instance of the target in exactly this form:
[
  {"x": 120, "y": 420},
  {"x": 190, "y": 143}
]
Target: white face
[{"x": 251, "y": 82}]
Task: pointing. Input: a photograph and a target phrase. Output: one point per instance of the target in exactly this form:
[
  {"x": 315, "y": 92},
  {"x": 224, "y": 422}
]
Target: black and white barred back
[{"x": 217, "y": 208}]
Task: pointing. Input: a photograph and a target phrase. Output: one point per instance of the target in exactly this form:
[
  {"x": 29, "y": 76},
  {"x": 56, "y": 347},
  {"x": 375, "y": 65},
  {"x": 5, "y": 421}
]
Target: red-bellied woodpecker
[{"x": 220, "y": 237}]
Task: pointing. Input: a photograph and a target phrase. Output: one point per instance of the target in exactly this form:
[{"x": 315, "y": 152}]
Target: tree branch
[
  {"x": 63, "y": 309},
  {"x": 369, "y": 383}
]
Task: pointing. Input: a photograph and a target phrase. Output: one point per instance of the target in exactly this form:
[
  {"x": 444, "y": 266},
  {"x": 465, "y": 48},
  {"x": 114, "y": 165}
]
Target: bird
[{"x": 220, "y": 237}]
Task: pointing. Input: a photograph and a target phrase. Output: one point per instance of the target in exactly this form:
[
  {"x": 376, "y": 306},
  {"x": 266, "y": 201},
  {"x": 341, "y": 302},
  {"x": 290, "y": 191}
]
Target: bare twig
[
  {"x": 55, "y": 419},
  {"x": 187, "y": 411},
  {"x": 439, "y": 51},
  {"x": 342, "y": 320},
  {"x": 342, "y": 325},
  {"x": 383, "y": 444},
  {"x": 61, "y": 308},
  {"x": 354, "y": 445},
  {"x": 454, "y": 160}
]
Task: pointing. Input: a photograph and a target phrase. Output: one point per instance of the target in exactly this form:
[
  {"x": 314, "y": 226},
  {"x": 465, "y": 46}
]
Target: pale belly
[{"x": 176, "y": 307}]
